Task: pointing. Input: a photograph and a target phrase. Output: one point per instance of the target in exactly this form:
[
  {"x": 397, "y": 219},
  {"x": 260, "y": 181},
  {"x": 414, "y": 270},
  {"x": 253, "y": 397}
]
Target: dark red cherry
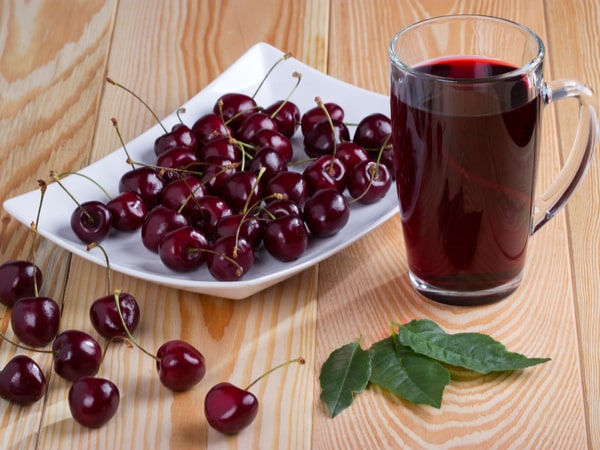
[
  {"x": 183, "y": 249},
  {"x": 22, "y": 381},
  {"x": 369, "y": 182},
  {"x": 286, "y": 237},
  {"x": 286, "y": 116},
  {"x": 268, "y": 160},
  {"x": 315, "y": 115},
  {"x": 245, "y": 226},
  {"x": 180, "y": 365},
  {"x": 179, "y": 136},
  {"x": 234, "y": 107},
  {"x": 275, "y": 140},
  {"x": 128, "y": 211},
  {"x": 178, "y": 161},
  {"x": 18, "y": 279},
  {"x": 241, "y": 189},
  {"x": 105, "y": 317},
  {"x": 221, "y": 147},
  {"x": 322, "y": 139},
  {"x": 180, "y": 194},
  {"x": 350, "y": 154},
  {"x": 279, "y": 208},
  {"x": 35, "y": 320},
  {"x": 290, "y": 184},
  {"x": 387, "y": 158},
  {"x": 252, "y": 124},
  {"x": 326, "y": 212},
  {"x": 208, "y": 127},
  {"x": 144, "y": 181},
  {"x": 206, "y": 213},
  {"x": 325, "y": 172},
  {"x": 93, "y": 401},
  {"x": 373, "y": 132},
  {"x": 229, "y": 409},
  {"x": 91, "y": 222},
  {"x": 216, "y": 171},
  {"x": 158, "y": 222},
  {"x": 231, "y": 260},
  {"x": 76, "y": 354}
]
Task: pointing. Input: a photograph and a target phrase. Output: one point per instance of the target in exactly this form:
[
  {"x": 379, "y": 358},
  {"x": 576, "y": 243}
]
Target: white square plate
[{"x": 126, "y": 252}]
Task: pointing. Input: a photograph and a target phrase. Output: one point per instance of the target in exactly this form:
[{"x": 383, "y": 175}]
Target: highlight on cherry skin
[
  {"x": 18, "y": 279},
  {"x": 93, "y": 401},
  {"x": 22, "y": 381}
]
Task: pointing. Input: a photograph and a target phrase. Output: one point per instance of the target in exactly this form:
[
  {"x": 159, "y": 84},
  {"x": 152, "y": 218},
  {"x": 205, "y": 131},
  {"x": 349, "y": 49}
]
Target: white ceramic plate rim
[{"x": 127, "y": 254}]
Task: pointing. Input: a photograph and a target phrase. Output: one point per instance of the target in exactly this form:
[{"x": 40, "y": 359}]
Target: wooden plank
[
  {"x": 573, "y": 25},
  {"x": 50, "y": 90},
  {"x": 510, "y": 410}
]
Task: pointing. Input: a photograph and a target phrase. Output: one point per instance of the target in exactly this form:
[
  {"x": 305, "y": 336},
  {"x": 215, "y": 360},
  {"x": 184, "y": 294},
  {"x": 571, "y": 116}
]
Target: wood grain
[
  {"x": 563, "y": 38},
  {"x": 55, "y": 111},
  {"x": 45, "y": 79}
]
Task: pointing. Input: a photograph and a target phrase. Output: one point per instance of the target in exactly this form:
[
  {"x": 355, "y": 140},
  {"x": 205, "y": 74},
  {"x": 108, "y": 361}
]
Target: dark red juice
[{"x": 465, "y": 157}]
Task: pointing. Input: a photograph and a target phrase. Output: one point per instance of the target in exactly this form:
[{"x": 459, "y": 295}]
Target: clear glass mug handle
[{"x": 575, "y": 167}]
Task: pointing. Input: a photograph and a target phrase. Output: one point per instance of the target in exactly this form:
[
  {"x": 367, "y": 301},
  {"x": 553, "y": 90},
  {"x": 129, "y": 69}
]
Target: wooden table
[{"x": 54, "y": 115}]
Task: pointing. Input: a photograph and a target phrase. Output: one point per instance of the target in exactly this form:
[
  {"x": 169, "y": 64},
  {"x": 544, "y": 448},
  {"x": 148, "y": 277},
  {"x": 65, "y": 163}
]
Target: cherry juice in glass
[{"x": 465, "y": 142}]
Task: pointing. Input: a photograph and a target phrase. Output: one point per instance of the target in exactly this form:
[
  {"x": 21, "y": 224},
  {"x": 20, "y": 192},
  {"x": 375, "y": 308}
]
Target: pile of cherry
[
  {"x": 218, "y": 192},
  {"x": 232, "y": 184}
]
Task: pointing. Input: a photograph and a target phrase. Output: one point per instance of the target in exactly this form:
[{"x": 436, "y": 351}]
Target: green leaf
[
  {"x": 406, "y": 374},
  {"x": 345, "y": 373},
  {"x": 473, "y": 351}
]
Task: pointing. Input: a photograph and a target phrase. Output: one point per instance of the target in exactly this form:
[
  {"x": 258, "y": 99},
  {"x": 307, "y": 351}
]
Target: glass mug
[{"x": 467, "y": 93}]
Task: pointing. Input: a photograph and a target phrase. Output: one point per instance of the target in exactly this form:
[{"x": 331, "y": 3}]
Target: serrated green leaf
[
  {"x": 474, "y": 351},
  {"x": 403, "y": 372},
  {"x": 345, "y": 373}
]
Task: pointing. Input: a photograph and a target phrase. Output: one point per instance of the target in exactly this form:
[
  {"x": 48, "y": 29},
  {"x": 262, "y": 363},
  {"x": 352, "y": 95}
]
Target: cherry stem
[
  {"x": 239, "y": 270},
  {"x": 93, "y": 245},
  {"x": 246, "y": 209},
  {"x": 299, "y": 360},
  {"x": 34, "y": 227},
  {"x": 283, "y": 58},
  {"x": 328, "y": 116},
  {"x": 79, "y": 174},
  {"x": 236, "y": 115},
  {"x": 255, "y": 205},
  {"x": 23, "y": 347},
  {"x": 127, "y": 332},
  {"x": 57, "y": 179},
  {"x": 254, "y": 185},
  {"x": 297, "y": 75},
  {"x": 116, "y": 127},
  {"x": 383, "y": 147},
  {"x": 178, "y": 113},
  {"x": 300, "y": 162},
  {"x": 113, "y": 82},
  {"x": 162, "y": 169},
  {"x": 374, "y": 171},
  {"x": 109, "y": 342},
  {"x": 189, "y": 197}
]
